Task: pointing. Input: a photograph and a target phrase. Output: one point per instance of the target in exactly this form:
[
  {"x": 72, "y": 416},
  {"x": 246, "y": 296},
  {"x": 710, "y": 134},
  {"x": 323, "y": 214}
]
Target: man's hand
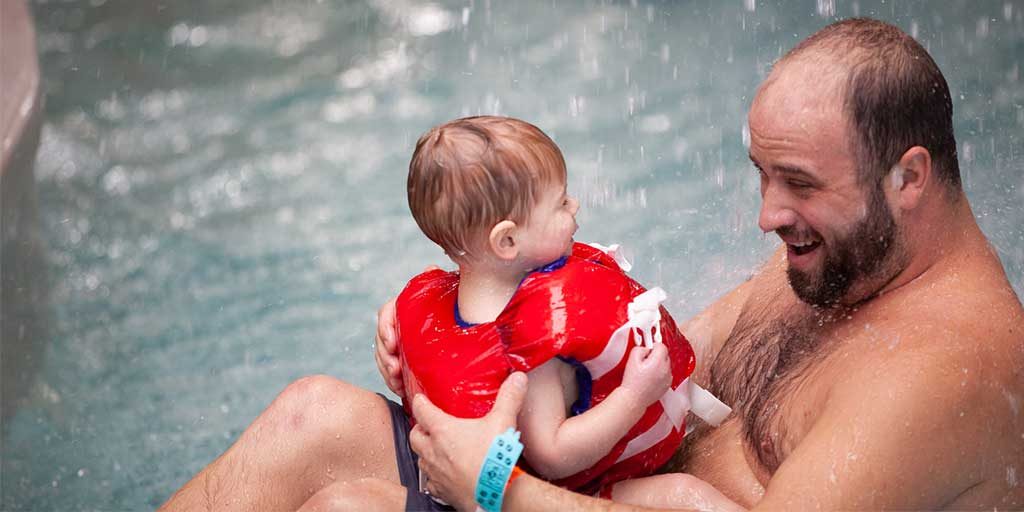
[
  {"x": 386, "y": 353},
  {"x": 648, "y": 373},
  {"x": 452, "y": 450},
  {"x": 386, "y": 345}
]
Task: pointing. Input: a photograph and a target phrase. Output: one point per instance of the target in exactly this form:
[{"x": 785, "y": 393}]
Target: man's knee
[
  {"x": 362, "y": 494},
  {"x": 322, "y": 405},
  {"x": 315, "y": 389}
]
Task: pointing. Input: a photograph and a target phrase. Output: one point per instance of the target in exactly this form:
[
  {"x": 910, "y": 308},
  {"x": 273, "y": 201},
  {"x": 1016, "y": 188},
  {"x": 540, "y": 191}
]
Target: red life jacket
[{"x": 577, "y": 309}]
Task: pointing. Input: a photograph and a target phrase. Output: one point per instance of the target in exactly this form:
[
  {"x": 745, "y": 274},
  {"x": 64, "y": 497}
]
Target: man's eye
[{"x": 799, "y": 184}]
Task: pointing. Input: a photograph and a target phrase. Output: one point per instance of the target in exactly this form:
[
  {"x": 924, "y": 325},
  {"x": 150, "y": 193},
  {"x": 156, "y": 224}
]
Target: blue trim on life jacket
[
  {"x": 458, "y": 318},
  {"x": 584, "y": 383},
  {"x": 550, "y": 267}
]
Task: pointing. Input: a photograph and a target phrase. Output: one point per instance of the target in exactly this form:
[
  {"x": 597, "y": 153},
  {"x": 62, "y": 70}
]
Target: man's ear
[
  {"x": 502, "y": 240},
  {"x": 913, "y": 174}
]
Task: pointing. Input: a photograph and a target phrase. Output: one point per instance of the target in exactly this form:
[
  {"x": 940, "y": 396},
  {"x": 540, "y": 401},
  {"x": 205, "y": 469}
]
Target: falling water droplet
[{"x": 826, "y": 8}]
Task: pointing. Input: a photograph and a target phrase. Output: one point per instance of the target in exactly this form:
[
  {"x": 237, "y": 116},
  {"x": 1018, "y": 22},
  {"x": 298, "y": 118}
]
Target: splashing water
[{"x": 222, "y": 187}]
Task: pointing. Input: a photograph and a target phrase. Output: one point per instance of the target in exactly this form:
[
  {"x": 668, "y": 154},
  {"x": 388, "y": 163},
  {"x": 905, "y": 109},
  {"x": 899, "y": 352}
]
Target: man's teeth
[{"x": 802, "y": 244}]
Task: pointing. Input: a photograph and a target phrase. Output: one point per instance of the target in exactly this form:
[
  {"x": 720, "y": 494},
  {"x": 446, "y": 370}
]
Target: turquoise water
[{"x": 222, "y": 187}]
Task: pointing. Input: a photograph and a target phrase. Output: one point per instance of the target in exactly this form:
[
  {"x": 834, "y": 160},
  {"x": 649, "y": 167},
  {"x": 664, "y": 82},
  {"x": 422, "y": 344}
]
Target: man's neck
[
  {"x": 944, "y": 231},
  {"x": 485, "y": 289}
]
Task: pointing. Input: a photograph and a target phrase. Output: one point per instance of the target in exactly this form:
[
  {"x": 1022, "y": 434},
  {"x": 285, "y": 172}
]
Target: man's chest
[{"x": 774, "y": 372}]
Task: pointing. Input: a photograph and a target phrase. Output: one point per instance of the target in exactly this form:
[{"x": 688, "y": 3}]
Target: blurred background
[{"x": 220, "y": 189}]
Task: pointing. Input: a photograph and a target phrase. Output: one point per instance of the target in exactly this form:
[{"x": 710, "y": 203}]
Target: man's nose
[{"x": 774, "y": 214}]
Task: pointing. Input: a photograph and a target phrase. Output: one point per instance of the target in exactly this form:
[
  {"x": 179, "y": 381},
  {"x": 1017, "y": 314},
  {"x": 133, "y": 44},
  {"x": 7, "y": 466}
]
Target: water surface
[{"x": 222, "y": 187}]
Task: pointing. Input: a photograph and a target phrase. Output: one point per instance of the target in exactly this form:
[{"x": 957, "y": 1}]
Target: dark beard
[{"x": 866, "y": 253}]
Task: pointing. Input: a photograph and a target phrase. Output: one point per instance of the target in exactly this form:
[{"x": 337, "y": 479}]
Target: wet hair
[
  {"x": 895, "y": 96},
  {"x": 469, "y": 174}
]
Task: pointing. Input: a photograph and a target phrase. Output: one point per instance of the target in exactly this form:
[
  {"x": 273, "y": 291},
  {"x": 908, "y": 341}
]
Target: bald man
[{"x": 873, "y": 363}]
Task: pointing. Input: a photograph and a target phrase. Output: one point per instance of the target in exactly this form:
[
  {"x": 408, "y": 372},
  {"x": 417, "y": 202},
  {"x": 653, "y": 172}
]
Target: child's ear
[{"x": 502, "y": 240}]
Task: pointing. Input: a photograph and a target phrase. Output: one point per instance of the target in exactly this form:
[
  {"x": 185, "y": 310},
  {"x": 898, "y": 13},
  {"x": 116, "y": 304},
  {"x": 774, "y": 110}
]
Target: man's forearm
[
  {"x": 534, "y": 494},
  {"x": 530, "y": 493}
]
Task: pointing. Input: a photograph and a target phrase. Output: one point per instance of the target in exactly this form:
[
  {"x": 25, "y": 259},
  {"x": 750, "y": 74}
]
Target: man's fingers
[
  {"x": 418, "y": 441},
  {"x": 428, "y": 414},
  {"x": 510, "y": 397},
  {"x": 397, "y": 387},
  {"x": 381, "y": 367},
  {"x": 391, "y": 372},
  {"x": 386, "y": 325}
]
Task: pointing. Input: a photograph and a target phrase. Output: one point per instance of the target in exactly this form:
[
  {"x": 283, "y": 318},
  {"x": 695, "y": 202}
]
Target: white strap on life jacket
[
  {"x": 706, "y": 406},
  {"x": 644, "y": 319},
  {"x": 687, "y": 397},
  {"x": 644, "y": 316},
  {"x": 616, "y": 253}
]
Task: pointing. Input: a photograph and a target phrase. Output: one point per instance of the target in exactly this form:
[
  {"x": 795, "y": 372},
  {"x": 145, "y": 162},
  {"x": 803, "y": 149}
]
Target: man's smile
[{"x": 800, "y": 245}]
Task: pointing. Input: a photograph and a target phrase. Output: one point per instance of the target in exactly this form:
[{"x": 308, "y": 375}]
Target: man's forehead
[
  {"x": 800, "y": 97},
  {"x": 798, "y": 117}
]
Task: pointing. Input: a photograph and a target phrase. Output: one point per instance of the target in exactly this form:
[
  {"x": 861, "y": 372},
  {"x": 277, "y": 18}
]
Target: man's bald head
[{"x": 893, "y": 94}]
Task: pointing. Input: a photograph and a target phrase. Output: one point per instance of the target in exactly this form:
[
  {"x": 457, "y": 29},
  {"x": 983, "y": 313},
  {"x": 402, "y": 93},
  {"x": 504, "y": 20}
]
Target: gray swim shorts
[{"x": 408, "y": 470}]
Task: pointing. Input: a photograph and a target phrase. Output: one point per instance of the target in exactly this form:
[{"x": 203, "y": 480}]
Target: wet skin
[
  {"x": 906, "y": 395},
  {"x": 901, "y": 397}
]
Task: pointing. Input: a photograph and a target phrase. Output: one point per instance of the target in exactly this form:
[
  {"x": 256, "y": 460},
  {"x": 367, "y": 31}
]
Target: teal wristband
[{"x": 498, "y": 464}]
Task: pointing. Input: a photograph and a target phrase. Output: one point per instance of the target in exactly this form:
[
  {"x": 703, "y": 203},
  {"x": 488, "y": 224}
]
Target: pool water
[{"x": 222, "y": 187}]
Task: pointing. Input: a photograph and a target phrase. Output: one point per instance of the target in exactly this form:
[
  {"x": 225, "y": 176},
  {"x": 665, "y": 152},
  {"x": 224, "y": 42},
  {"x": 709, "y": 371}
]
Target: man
[
  {"x": 872, "y": 363},
  {"x": 875, "y": 361}
]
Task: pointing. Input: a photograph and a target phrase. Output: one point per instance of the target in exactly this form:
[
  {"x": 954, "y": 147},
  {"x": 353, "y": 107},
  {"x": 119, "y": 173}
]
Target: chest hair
[{"x": 766, "y": 359}]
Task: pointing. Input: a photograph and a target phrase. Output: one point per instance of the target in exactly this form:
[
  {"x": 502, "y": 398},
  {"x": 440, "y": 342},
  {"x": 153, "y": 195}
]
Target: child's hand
[{"x": 648, "y": 373}]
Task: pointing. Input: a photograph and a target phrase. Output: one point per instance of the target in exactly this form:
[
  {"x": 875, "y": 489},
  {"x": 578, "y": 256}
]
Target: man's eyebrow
[
  {"x": 787, "y": 169},
  {"x": 796, "y": 171}
]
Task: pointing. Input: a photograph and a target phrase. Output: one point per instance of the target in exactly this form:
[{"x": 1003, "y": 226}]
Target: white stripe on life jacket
[
  {"x": 649, "y": 438},
  {"x": 676, "y": 403},
  {"x": 612, "y": 354}
]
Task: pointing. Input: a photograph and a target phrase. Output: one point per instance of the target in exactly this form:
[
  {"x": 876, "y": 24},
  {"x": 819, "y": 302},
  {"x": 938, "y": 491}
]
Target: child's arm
[{"x": 557, "y": 447}]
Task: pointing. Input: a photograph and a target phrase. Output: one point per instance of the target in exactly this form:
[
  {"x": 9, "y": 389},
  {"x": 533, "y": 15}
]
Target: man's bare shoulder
[
  {"x": 968, "y": 321},
  {"x": 949, "y": 353},
  {"x": 967, "y": 304}
]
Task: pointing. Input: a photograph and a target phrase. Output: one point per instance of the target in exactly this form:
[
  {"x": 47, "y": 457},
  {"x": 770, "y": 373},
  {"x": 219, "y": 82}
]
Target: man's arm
[
  {"x": 557, "y": 446},
  {"x": 904, "y": 434}
]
